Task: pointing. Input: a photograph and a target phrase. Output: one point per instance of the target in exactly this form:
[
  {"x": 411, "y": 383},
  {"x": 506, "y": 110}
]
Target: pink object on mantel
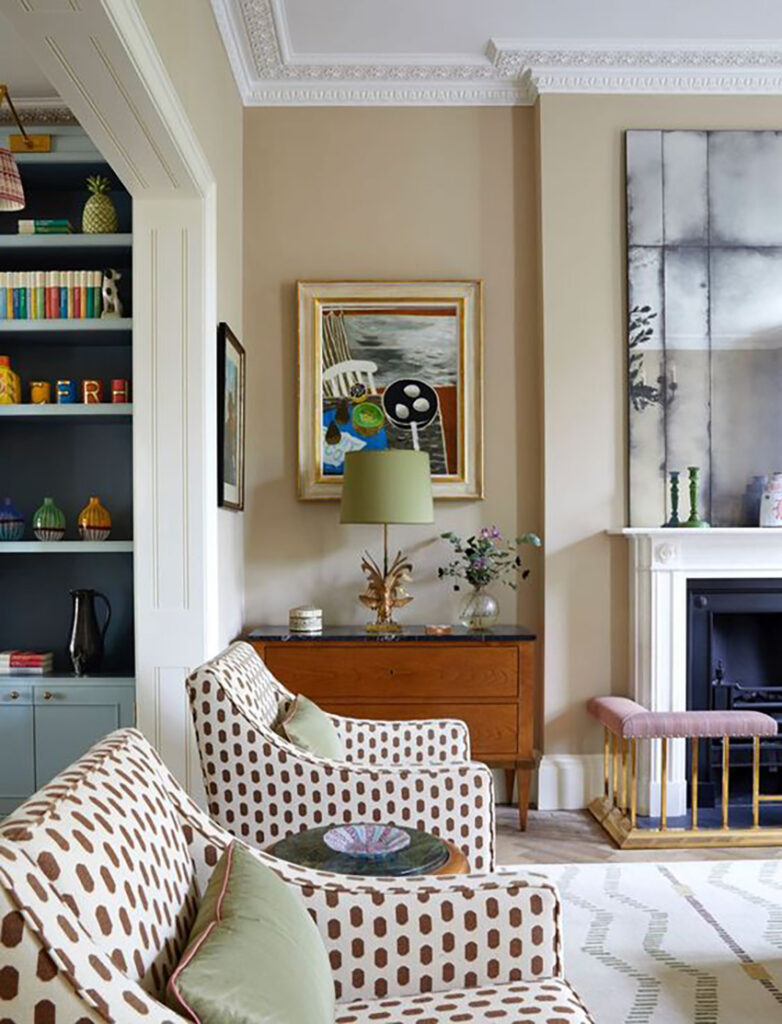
[{"x": 631, "y": 720}]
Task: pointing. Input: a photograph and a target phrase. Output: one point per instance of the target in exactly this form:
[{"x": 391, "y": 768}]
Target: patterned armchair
[
  {"x": 261, "y": 788},
  {"x": 100, "y": 876}
]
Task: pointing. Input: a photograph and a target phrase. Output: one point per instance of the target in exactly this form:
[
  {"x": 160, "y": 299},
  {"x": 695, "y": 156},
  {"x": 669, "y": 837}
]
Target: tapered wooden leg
[
  {"x": 524, "y": 777},
  {"x": 510, "y": 779}
]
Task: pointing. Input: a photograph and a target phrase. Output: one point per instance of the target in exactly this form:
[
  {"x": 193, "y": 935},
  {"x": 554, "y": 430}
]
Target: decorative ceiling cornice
[
  {"x": 38, "y": 112},
  {"x": 627, "y": 68},
  {"x": 265, "y": 77},
  {"x": 513, "y": 72}
]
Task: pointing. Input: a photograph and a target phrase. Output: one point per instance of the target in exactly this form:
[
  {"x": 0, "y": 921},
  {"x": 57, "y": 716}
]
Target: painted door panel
[
  {"x": 71, "y": 719},
  {"x": 17, "y": 761}
]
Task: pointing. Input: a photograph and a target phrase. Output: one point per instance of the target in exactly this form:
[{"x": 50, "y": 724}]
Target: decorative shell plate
[{"x": 371, "y": 841}]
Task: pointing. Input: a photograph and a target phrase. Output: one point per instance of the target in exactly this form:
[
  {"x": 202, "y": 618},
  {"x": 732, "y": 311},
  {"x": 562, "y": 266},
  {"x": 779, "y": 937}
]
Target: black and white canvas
[{"x": 704, "y": 254}]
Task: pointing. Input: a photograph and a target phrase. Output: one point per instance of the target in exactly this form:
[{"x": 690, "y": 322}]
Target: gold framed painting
[{"x": 391, "y": 364}]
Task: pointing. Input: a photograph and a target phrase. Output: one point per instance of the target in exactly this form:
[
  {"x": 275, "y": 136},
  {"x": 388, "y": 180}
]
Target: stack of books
[
  {"x": 26, "y": 663},
  {"x": 45, "y": 227},
  {"x": 50, "y": 294}
]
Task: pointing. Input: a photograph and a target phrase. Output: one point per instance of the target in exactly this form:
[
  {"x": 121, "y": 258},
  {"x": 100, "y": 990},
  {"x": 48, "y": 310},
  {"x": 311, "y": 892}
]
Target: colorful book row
[{"x": 50, "y": 294}]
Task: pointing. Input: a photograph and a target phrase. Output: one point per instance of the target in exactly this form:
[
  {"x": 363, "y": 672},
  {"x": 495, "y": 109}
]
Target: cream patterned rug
[{"x": 696, "y": 941}]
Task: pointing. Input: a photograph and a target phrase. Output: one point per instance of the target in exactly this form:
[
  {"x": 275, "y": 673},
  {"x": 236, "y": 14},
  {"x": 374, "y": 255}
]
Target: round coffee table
[{"x": 426, "y": 855}]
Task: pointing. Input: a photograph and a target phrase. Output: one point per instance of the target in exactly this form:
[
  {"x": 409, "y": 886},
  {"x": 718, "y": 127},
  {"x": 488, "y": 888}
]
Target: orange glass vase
[{"x": 94, "y": 521}]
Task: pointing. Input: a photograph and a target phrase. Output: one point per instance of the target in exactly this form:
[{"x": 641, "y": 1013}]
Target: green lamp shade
[{"x": 387, "y": 487}]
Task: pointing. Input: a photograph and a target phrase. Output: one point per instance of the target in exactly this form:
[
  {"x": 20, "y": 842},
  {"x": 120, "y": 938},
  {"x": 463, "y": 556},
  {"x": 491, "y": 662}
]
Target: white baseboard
[{"x": 568, "y": 782}]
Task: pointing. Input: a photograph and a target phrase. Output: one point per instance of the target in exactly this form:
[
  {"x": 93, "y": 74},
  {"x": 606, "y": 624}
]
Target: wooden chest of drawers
[{"x": 486, "y": 680}]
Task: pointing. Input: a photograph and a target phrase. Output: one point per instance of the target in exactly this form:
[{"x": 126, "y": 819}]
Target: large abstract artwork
[
  {"x": 704, "y": 233},
  {"x": 390, "y": 365}
]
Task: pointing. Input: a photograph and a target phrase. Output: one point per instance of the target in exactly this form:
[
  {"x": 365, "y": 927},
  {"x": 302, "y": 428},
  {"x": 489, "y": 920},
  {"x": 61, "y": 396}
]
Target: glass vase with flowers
[{"x": 482, "y": 559}]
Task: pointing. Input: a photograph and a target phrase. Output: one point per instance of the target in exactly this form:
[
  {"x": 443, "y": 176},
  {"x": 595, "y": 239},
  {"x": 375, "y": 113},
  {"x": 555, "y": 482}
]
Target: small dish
[{"x": 370, "y": 841}]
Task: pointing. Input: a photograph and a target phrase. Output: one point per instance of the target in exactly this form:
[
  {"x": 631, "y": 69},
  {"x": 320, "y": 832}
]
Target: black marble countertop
[{"x": 408, "y": 632}]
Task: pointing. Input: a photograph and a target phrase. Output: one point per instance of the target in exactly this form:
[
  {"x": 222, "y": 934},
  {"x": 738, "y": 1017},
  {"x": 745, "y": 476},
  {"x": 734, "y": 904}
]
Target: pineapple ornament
[{"x": 99, "y": 216}]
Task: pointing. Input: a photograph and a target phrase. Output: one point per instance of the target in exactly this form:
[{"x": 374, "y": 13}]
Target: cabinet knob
[
  {"x": 14, "y": 695},
  {"x": 48, "y": 695}
]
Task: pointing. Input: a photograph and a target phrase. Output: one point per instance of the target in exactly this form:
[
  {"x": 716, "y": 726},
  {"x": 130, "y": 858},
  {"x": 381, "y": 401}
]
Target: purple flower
[{"x": 489, "y": 533}]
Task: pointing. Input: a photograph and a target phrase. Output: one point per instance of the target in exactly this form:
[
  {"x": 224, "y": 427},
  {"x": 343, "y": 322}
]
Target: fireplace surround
[{"x": 666, "y": 565}]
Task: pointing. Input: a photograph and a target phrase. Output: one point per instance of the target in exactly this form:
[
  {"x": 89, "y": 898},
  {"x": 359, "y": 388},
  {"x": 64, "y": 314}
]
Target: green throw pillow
[
  {"x": 311, "y": 729},
  {"x": 255, "y": 955}
]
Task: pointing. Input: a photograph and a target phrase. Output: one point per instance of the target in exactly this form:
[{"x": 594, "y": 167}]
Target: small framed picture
[{"x": 230, "y": 419}]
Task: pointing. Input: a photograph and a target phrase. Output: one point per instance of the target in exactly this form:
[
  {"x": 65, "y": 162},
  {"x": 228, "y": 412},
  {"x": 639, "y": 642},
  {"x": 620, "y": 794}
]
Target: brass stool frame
[{"x": 611, "y": 809}]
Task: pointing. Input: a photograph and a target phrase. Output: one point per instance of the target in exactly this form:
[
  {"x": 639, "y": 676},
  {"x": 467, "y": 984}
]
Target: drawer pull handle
[
  {"x": 14, "y": 695},
  {"x": 48, "y": 695}
]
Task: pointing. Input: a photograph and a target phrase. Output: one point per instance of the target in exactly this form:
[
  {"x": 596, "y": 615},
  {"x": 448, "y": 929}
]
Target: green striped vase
[{"x": 49, "y": 521}]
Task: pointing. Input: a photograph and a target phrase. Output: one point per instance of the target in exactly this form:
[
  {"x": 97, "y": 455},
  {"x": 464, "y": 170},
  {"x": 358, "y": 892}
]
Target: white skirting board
[{"x": 568, "y": 782}]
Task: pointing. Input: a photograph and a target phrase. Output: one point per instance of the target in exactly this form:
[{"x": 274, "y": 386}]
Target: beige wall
[
  {"x": 385, "y": 193},
  {"x": 189, "y": 43},
  {"x": 582, "y": 229}
]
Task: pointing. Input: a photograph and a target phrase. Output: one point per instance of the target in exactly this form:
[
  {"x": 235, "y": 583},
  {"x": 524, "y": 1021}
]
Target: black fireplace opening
[{"x": 734, "y": 660}]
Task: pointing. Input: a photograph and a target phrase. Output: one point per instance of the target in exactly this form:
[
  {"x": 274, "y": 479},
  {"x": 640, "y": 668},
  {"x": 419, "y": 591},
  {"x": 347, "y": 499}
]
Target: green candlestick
[
  {"x": 674, "y": 517},
  {"x": 695, "y": 522}
]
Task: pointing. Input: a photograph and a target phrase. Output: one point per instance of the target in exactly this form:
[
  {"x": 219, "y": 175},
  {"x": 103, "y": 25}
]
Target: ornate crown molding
[
  {"x": 514, "y": 72},
  {"x": 38, "y": 112},
  {"x": 425, "y": 94},
  {"x": 628, "y": 68},
  {"x": 267, "y": 75}
]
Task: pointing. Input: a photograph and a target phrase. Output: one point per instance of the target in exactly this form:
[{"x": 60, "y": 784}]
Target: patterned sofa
[
  {"x": 100, "y": 875},
  {"x": 261, "y": 788}
]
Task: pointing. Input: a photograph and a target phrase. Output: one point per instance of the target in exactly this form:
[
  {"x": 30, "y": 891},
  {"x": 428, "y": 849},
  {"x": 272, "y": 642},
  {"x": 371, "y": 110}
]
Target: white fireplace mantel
[{"x": 662, "y": 561}]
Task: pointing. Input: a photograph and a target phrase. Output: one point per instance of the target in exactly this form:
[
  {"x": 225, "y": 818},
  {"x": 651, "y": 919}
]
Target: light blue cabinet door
[
  {"x": 17, "y": 758},
  {"x": 70, "y": 719}
]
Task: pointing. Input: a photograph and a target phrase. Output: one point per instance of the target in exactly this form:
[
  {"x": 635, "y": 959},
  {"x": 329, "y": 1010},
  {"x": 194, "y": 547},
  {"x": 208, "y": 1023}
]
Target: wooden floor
[{"x": 573, "y": 837}]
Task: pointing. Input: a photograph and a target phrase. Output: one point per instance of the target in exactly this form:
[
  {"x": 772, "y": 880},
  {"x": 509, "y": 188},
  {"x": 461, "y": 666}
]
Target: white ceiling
[
  {"x": 18, "y": 70},
  {"x": 326, "y": 28},
  {"x": 496, "y": 51}
]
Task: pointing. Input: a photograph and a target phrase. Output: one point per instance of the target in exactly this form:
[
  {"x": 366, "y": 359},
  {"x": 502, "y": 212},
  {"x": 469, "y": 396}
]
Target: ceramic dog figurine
[{"x": 112, "y": 307}]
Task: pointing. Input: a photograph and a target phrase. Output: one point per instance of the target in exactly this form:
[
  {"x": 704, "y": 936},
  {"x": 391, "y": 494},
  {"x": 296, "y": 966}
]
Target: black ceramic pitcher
[{"x": 86, "y": 643}]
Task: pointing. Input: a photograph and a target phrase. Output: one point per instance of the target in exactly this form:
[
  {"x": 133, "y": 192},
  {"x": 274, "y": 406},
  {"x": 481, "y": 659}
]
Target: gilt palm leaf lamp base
[{"x": 386, "y": 487}]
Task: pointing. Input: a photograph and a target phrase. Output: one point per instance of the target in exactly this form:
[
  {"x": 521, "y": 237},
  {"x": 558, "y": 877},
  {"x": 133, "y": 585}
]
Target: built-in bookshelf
[
  {"x": 69, "y": 243},
  {"x": 76, "y": 413},
  {"x": 68, "y": 452}
]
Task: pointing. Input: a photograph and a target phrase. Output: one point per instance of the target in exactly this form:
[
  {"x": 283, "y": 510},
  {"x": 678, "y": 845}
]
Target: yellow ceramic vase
[{"x": 94, "y": 521}]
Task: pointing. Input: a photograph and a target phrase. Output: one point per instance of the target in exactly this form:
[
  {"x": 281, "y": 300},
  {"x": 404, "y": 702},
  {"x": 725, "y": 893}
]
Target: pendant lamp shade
[{"x": 11, "y": 191}]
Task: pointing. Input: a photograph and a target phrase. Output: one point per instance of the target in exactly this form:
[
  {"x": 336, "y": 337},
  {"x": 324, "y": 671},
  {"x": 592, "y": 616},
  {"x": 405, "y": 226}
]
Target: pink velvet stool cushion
[
  {"x": 615, "y": 712},
  {"x": 632, "y": 721}
]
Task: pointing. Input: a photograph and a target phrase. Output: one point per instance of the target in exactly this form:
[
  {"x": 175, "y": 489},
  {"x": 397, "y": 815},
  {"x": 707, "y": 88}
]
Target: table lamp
[{"x": 386, "y": 487}]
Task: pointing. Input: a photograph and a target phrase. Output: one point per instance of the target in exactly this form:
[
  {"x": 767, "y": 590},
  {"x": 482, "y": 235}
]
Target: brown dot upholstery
[
  {"x": 95, "y": 905},
  {"x": 262, "y": 788}
]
